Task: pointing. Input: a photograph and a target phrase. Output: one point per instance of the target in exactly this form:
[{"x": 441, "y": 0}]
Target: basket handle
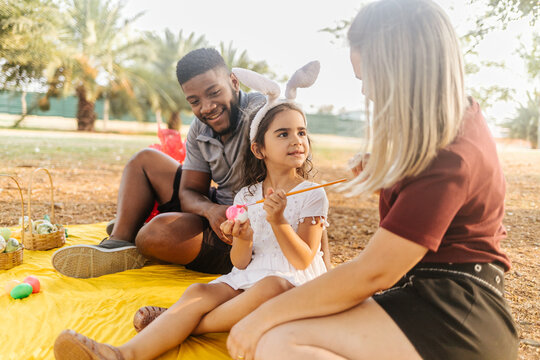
[
  {"x": 22, "y": 204},
  {"x": 53, "y": 218}
]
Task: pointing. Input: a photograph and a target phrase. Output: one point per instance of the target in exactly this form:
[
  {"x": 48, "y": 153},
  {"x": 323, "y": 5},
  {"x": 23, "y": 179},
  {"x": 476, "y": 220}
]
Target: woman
[{"x": 429, "y": 285}]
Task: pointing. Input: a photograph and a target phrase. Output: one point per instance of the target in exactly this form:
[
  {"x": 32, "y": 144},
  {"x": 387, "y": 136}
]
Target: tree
[
  {"x": 525, "y": 124},
  {"x": 234, "y": 58},
  {"x": 155, "y": 80},
  {"x": 28, "y": 30},
  {"x": 94, "y": 52}
]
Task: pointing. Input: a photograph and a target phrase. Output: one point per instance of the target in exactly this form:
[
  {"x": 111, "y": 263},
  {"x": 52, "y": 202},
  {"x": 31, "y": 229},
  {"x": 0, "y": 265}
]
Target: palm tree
[
  {"x": 234, "y": 58},
  {"x": 95, "y": 49},
  {"x": 155, "y": 78},
  {"x": 526, "y": 123}
]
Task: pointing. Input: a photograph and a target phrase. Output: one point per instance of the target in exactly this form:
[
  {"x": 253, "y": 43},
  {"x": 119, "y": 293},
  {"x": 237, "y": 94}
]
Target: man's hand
[
  {"x": 216, "y": 216},
  {"x": 274, "y": 205}
]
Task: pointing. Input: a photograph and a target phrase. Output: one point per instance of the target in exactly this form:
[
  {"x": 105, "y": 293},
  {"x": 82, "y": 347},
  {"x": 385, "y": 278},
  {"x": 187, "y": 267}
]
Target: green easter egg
[
  {"x": 21, "y": 291},
  {"x": 12, "y": 245},
  {"x": 5, "y": 233}
]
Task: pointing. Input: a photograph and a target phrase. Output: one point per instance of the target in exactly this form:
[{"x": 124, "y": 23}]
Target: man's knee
[
  {"x": 143, "y": 157},
  {"x": 151, "y": 235}
]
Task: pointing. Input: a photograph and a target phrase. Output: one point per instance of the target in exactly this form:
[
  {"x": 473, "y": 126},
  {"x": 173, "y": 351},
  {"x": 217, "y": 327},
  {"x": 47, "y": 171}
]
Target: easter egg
[
  {"x": 21, "y": 291},
  {"x": 236, "y": 212},
  {"x": 5, "y": 233},
  {"x": 12, "y": 245},
  {"x": 3, "y": 244},
  {"x": 34, "y": 282},
  {"x": 242, "y": 216},
  {"x": 10, "y": 285}
]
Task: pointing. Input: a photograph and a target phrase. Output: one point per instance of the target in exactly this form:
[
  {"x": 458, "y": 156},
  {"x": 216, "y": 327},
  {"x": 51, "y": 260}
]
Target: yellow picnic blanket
[{"x": 101, "y": 308}]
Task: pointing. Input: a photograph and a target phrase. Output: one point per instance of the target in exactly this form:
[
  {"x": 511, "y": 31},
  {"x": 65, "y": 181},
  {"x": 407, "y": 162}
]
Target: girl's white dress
[{"x": 267, "y": 258}]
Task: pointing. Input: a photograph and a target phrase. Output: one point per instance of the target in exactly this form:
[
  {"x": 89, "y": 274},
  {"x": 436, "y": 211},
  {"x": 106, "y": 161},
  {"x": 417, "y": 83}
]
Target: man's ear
[
  {"x": 235, "y": 82},
  {"x": 256, "y": 150}
]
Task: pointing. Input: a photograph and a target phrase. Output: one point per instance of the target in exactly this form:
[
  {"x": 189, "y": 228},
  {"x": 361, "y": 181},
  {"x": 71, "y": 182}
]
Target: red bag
[{"x": 171, "y": 144}]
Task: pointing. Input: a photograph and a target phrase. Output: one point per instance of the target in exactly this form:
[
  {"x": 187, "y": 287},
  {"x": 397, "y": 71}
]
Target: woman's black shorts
[{"x": 453, "y": 311}]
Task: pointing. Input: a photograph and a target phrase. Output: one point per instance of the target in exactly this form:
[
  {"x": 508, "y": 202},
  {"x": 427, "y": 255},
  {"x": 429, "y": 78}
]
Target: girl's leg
[
  {"x": 362, "y": 332},
  {"x": 223, "y": 317},
  {"x": 176, "y": 324}
]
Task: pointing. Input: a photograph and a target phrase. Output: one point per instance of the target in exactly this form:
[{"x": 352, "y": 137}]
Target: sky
[{"x": 286, "y": 34}]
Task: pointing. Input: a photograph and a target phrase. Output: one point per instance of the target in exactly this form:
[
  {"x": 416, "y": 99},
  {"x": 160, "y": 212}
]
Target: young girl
[
  {"x": 429, "y": 285},
  {"x": 277, "y": 248}
]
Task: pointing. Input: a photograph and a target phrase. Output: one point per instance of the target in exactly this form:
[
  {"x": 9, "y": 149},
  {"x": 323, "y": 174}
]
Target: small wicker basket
[
  {"x": 14, "y": 258},
  {"x": 53, "y": 240}
]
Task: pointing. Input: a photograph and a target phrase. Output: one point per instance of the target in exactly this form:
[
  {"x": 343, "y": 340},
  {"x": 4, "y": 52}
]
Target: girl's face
[{"x": 286, "y": 142}]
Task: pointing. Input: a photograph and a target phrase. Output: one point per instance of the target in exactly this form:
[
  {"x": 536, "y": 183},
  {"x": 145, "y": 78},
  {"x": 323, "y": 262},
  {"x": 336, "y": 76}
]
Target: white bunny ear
[
  {"x": 302, "y": 78},
  {"x": 258, "y": 82}
]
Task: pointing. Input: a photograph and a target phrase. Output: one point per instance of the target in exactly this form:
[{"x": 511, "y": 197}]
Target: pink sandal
[
  {"x": 72, "y": 345},
  {"x": 146, "y": 315}
]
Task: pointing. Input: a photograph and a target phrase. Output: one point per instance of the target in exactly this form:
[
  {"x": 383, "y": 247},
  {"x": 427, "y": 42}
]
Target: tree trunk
[
  {"x": 174, "y": 121},
  {"x": 23, "y": 103},
  {"x": 86, "y": 116},
  {"x": 538, "y": 132},
  {"x": 106, "y": 107}
]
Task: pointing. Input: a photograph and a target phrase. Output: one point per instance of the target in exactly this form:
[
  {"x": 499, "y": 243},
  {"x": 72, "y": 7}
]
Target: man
[{"x": 187, "y": 229}]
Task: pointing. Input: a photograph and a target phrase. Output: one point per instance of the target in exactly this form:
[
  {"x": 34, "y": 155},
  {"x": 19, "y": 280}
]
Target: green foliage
[
  {"x": 154, "y": 77},
  {"x": 234, "y": 58},
  {"x": 28, "y": 31},
  {"x": 525, "y": 124}
]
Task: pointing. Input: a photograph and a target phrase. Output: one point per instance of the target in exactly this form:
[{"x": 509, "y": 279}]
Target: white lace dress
[{"x": 267, "y": 258}]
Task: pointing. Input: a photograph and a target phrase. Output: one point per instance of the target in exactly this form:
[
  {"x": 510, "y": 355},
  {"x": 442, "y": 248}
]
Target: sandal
[
  {"x": 72, "y": 345},
  {"x": 146, "y": 315}
]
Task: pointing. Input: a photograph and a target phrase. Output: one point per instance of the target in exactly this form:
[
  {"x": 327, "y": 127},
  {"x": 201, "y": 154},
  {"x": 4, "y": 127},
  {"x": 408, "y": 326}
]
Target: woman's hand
[
  {"x": 358, "y": 163},
  {"x": 240, "y": 230},
  {"x": 244, "y": 337},
  {"x": 274, "y": 205}
]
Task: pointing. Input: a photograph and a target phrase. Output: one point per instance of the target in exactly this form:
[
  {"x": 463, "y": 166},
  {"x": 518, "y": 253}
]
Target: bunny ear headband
[{"x": 302, "y": 78}]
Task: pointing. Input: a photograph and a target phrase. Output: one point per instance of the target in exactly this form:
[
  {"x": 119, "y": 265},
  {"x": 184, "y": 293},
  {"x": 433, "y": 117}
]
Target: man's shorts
[
  {"x": 453, "y": 311},
  {"x": 214, "y": 257}
]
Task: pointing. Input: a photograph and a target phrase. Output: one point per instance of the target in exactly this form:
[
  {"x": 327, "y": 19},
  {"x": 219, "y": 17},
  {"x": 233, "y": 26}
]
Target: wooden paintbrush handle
[{"x": 306, "y": 189}]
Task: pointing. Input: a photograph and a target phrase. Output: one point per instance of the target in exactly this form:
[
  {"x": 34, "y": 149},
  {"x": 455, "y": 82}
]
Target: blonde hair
[{"x": 412, "y": 71}]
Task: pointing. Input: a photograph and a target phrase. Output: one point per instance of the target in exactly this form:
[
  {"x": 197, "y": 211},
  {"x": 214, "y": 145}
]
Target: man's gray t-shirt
[{"x": 206, "y": 153}]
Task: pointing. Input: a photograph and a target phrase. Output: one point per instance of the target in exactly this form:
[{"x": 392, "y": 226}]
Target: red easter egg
[{"x": 32, "y": 280}]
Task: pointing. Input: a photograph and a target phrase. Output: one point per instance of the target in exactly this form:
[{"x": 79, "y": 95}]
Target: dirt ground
[{"x": 86, "y": 193}]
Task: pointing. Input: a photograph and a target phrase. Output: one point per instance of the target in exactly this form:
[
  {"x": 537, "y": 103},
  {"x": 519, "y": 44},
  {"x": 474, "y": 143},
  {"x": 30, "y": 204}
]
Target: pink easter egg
[
  {"x": 32, "y": 280},
  {"x": 10, "y": 285},
  {"x": 236, "y": 211}
]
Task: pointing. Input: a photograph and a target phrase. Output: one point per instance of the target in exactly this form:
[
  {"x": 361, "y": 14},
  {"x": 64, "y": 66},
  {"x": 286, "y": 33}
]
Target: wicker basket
[
  {"x": 53, "y": 240},
  {"x": 12, "y": 259}
]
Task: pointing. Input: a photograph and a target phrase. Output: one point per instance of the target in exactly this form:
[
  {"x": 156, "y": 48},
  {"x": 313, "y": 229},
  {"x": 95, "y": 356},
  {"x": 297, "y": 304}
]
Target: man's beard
[{"x": 233, "y": 115}]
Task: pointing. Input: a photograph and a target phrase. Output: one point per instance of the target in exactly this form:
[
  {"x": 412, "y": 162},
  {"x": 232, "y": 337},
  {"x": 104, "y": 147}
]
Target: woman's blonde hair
[{"x": 412, "y": 71}]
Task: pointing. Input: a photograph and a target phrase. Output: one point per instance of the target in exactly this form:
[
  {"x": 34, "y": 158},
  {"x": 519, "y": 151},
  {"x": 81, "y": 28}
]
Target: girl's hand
[
  {"x": 274, "y": 205},
  {"x": 237, "y": 229},
  {"x": 244, "y": 337}
]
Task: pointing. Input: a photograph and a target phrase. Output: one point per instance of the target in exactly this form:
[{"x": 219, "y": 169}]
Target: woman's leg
[
  {"x": 362, "y": 332},
  {"x": 223, "y": 317},
  {"x": 176, "y": 324}
]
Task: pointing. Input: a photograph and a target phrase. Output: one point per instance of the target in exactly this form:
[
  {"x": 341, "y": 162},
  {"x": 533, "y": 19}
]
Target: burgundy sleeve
[{"x": 425, "y": 206}]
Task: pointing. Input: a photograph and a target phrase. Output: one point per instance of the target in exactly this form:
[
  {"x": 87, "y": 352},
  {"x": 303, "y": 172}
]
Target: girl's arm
[
  {"x": 298, "y": 247},
  {"x": 381, "y": 264},
  {"x": 242, "y": 243}
]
